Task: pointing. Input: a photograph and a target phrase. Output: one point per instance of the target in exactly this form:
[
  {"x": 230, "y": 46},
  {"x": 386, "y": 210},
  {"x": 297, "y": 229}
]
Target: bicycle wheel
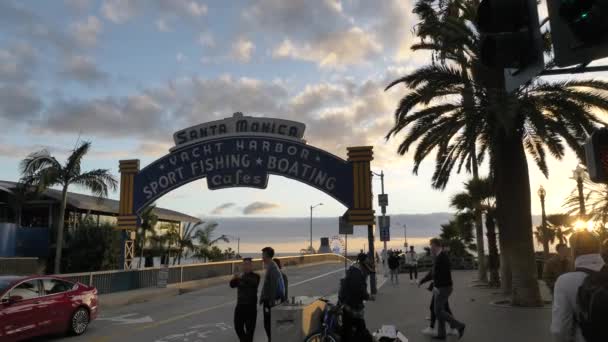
[{"x": 318, "y": 337}]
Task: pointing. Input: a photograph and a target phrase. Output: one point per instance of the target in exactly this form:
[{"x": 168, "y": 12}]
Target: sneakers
[
  {"x": 453, "y": 332},
  {"x": 429, "y": 331}
]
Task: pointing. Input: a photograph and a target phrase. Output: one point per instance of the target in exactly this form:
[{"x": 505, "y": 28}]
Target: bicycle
[{"x": 330, "y": 325}]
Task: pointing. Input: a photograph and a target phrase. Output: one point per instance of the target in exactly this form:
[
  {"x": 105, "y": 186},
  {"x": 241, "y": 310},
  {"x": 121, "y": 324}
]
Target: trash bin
[{"x": 294, "y": 322}]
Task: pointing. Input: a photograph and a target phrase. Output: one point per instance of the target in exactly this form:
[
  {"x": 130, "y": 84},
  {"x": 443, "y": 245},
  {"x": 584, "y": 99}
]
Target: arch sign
[{"x": 243, "y": 151}]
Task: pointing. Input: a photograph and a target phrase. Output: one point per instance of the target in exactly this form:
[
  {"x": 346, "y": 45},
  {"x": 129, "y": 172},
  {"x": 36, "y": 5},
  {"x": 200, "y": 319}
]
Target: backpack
[
  {"x": 281, "y": 290},
  {"x": 592, "y": 303}
]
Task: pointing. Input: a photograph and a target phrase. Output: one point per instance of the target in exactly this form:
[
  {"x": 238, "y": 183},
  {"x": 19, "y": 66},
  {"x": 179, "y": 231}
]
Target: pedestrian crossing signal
[{"x": 596, "y": 151}]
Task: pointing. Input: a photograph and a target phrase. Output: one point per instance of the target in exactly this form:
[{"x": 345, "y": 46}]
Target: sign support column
[
  {"x": 362, "y": 213},
  {"x": 127, "y": 219}
]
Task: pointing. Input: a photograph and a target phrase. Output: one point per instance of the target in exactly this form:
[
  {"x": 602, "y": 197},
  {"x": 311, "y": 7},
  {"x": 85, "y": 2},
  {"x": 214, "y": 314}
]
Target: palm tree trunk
[
  {"x": 515, "y": 217},
  {"x": 60, "y": 226},
  {"x": 18, "y": 214},
  {"x": 492, "y": 250},
  {"x": 482, "y": 272},
  {"x": 141, "y": 249},
  {"x": 506, "y": 277}
]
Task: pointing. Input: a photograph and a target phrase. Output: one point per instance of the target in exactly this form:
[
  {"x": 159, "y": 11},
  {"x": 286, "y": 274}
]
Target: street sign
[
  {"x": 163, "y": 276},
  {"x": 384, "y": 223},
  {"x": 383, "y": 200},
  {"x": 344, "y": 228}
]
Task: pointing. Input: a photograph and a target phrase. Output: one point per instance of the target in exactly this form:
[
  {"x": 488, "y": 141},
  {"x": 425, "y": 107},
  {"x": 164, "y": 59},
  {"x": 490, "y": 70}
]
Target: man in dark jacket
[
  {"x": 246, "y": 312},
  {"x": 353, "y": 291},
  {"x": 557, "y": 265},
  {"x": 442, "y": 280},
  {"x": 273, "y": 280},
  {"x": 393, "y": 265}
]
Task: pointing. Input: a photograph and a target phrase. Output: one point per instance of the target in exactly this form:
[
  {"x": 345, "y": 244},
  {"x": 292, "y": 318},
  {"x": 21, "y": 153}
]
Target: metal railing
[{"x": 121, "y": 280}]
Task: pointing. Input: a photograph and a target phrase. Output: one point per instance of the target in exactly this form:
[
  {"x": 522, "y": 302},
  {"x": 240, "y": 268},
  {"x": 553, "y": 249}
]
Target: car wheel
[{"x": 79, "y": 322}]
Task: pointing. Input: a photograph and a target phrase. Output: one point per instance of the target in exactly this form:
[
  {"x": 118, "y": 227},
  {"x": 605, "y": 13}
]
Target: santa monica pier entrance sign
[{"x": 243, "y": 151}]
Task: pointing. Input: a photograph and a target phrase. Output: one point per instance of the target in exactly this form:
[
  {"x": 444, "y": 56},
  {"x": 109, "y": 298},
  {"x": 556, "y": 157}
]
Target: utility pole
[{"x": 383, "y": 224}]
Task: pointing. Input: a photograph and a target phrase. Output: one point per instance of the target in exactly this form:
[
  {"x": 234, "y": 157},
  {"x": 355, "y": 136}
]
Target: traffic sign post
[{"x": 384, "y": 222}]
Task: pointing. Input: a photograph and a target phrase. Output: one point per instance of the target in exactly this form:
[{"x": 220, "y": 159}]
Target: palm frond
[{"x": 98, "y": 181}]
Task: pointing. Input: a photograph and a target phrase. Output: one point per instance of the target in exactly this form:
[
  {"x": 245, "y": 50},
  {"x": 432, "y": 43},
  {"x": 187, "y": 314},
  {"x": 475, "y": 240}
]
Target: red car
[{"x": 43, "y": 305}]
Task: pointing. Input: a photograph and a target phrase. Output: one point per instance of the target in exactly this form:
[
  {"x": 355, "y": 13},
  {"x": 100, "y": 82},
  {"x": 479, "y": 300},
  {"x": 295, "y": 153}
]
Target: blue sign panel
[{"x": 244, "y": 161}]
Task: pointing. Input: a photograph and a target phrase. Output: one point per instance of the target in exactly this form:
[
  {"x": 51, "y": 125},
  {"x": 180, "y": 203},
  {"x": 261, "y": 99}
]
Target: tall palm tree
[
  {"x": 562, "y": 226},
  {"x": 205, "y": 241},
  {"x": 148, "y": 223},
  {"x": 459, "y": 103},
  {"x": 185, "y": 241},
  {"x": 42, "y": 170},
  {"x": 596, "y": 199},
  {"x": 479, "y": 199}
]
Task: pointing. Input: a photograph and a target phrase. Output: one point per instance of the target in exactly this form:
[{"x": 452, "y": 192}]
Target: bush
[{"x": 92, "y": 248}]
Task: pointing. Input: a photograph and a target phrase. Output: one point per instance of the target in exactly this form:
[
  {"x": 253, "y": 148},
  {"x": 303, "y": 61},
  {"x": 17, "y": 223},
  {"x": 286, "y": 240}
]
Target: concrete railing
[{"x": 115, "y": 281}]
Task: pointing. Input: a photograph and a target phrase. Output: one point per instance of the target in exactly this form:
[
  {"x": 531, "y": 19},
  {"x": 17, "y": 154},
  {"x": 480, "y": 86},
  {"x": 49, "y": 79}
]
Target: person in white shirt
[
  {"x": 411, "y": 260},
  {"x": 586, "y": 253}
]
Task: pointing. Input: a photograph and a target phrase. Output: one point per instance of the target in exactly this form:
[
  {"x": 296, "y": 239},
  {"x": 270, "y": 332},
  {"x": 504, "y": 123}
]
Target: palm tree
[
  {"x": 562, "y": 226},
  {"x": 206, "y": 242},
  {"x": 42, "y": 170},
  {"x": 596, "y": 199},
  {"x": 459, "y": 103},
  {"x": 458, "y": 234},
  {"x": 185, "y": 241},
  {"x": 479, "y": 196},
  {"x": 148, "y": 223},
  {"x": 544, "y": 235}
]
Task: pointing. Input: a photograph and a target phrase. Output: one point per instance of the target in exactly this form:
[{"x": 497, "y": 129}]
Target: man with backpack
[
  {"x": 353, "y": 291},
  {"x": 580, "y": 300},
  {"x": 273, "y": 290}
]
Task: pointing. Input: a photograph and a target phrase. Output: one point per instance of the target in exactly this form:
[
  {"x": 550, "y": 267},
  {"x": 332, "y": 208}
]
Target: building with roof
[{"x": 40, "y": 212}]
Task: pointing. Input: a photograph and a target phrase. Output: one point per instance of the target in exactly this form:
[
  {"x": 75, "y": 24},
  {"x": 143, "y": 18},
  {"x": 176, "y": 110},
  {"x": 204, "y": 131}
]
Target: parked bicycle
[{"x": 330, "y": 325}]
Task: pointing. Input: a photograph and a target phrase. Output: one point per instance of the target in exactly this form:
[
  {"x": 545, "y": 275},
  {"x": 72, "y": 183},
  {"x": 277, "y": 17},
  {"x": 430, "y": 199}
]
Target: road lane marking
[
  {"x": 176, "y": 318},
  {"x": 127, "y": 319}
]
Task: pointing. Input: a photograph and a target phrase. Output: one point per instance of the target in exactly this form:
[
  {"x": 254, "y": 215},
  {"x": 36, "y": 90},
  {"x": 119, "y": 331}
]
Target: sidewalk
[{"x": 407, "y": 307}]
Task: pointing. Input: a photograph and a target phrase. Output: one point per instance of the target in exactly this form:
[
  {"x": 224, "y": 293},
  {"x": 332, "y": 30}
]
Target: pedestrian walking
[
  {"x": 353, "y": 291},
  {"x": 393, "y": 265},
  {"x": 443, "y": 288},
  {"x": 285, "y": 280},
  {"x": 273, "y": 290},
  {"x": 431, "y": 330},
  {"x": 245, "y": 313},
  {"x": 411, "y": 260},
  {"x": 580, "y": 300},
  {"x": 557, "y": 265}
]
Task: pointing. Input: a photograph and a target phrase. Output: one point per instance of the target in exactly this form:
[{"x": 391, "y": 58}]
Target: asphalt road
[{"x": 205, "y": 315}]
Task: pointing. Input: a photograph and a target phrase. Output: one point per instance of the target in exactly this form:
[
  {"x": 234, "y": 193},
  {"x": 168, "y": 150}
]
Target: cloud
[
  {"x": 206, "y": 39},
  {"x": 242, "y": 50},
  {"x": 17, "y": 62},
  {"x": 82, "y": 69},
  {"x": 121, "y": 11},
  {"x": 86, "y": 32},
  {"x": 338, "y": 49},
  {"x": 220, "y": 209},
  {"x": 78, "y": 5},
  {"x": 19, "y": 102},
  {"x": 162, "y": 25},
  {"x": 259, "y": 208}
]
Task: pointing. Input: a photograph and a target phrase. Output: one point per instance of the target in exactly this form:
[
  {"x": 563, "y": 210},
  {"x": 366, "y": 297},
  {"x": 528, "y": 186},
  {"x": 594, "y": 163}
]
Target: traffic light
[
  {"x": 596, "y": 153},
  {"x": 510, "y": 39},
  {"x": 579, "y": 30}
]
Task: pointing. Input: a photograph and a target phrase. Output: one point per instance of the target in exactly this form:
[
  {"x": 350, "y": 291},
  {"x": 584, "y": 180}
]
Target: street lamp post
[
  {"x": 311, "y": 208},
  {"x": 579, "y": 176},
  {"x": 238, "y": 243},
  {"x": 542, "y": 194}
]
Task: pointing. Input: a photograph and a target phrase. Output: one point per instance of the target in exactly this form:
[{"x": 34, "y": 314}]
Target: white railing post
[
  {"x": 91, "y": 279},
  {"x": 181, "y": 274}
]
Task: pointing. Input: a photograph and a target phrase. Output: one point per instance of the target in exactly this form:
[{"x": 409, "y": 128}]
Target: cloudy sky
[{"x": 127, "y": 74}]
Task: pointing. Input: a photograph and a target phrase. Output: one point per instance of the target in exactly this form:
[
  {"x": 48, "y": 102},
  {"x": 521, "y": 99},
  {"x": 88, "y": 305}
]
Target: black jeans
[
  {"x": 413, "y": 272},
  {"x": 360, "y": 333},
  {"x": 267, "y": 320},
  {"x": 441, "y": 295},
  {"x": 432, "y": 308},
  {"x": 245, "y": 316}
]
